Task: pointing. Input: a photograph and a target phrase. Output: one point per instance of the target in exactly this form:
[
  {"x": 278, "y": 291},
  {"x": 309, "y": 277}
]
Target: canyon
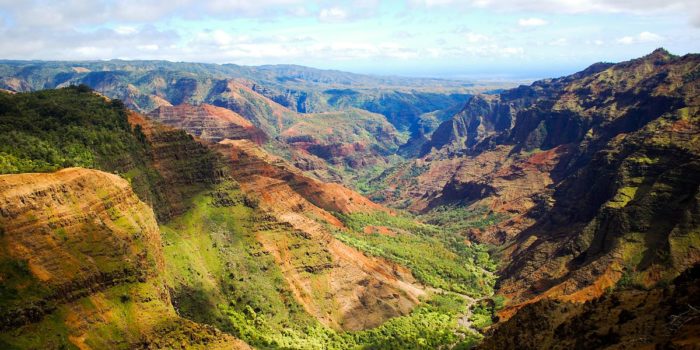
[{"x": 162, "y": 205}]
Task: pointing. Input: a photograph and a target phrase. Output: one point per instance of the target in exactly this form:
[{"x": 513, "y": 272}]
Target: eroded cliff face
[
  {"x": 238, "y": 96},
  {"x": 595, "y": 175},
  {"x": 175, "y": 167},
  {"x": 251, "y": 164},
  {"x": 208, "y": 122},
  {"x": 82, "y": 264},
  {"x": 342, "y": 146},
  {"x": 626, "y": 207},
  {"x": 334, "y": 146},
  {"x": 342, "y": 287},
  {"x": 293, "y": 223}
]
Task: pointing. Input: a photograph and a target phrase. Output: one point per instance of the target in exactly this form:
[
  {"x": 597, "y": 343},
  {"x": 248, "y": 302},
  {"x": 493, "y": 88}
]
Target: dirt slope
[{"x": 348, "y": 290}]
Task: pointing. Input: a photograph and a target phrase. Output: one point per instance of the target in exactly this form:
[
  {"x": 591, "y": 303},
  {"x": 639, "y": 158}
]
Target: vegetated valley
[{"x": 151, "y": 205}]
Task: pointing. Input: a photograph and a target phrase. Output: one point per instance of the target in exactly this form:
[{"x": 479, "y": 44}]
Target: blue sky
[{"x": 445, "y": 38}]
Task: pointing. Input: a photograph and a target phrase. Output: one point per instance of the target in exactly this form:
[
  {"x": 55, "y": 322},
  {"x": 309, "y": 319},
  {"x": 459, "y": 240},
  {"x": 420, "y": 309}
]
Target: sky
[{"x": 489, "y": 39}]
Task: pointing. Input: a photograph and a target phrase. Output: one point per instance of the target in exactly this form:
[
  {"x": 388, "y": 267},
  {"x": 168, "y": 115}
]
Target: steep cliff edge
[
  {"x": 208, "y": 122},
  {"x": 82, "y": 266},
  {"x": 250, "y": 163},
  {"x": 586, "y": 182},
  {"x": 265, "y": 258},
  {"x": 53, "y": 129},
  {"x": 630, "y": 214}
]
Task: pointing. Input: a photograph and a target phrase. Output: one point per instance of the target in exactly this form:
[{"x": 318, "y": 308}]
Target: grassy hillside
[
  {"x": 221, "y": 275},
  {"x": 451, "y": 263}
]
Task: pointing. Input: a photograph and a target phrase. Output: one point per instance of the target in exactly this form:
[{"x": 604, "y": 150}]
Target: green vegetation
[
  {"x": 115, "y": 318},
  {"x": 219, "y": 271},
  {"x": 18, "y": 284},
  {"x": 451, "y": 263},
  {"x": 458, "y": 218},
  {"x": 430, "y": 326},
  {"x": 52, "y": 129},
  {"x": 374, "y": 187},
  {"x": 221, "y": 275},
  {"x": 356, "y": 145},
  {"x": 484, "y": 311},
  {"x": 216, "y": 268},
  {"x": 73, "y": 127},
  {"x": 362, "y": 179}
]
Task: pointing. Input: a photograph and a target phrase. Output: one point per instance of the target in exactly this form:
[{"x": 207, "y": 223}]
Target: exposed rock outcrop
[
  {"x": 176, "y": 166},
  {"x": 596, "y": 174},
  {"x": 208, "y": 122},
  {"x": 75, "y": 244}
]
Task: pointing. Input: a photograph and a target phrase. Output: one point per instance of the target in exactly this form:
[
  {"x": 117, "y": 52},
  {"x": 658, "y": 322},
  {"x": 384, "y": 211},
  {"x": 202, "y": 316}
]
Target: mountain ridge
[{"x": 579, "y": 143}]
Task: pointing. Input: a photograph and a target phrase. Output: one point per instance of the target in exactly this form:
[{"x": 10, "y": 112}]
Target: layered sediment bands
[
  {"x": 624, "y": 209},
  {"x": 662, "y": 317},
  {"x": 352, "y": 138},
  {"x": 208, "y": 122},
  {"x": 75, "y": 231},
  {"x": 342, "y": 287},
  {"x": 338, "y": 285},
  {"x": 264, "y": 113},
  {"x": 261, "y": 172},
  {"x": 332, "y": 146},
  {"x": 80, "y": 255},
  {"x": 177, "y": 167},
  {"x": 498, "y": 181}
]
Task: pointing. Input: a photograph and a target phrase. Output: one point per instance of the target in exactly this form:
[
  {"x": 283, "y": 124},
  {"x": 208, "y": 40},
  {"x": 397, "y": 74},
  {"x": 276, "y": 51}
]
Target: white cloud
[
  {"x": 476, "y": 37},
  {"x": 403, "y": 34},
  {"x": 563, "y": 6},
  {"x": 532, "y": 22},
  {"x": 148, "y": 47},
  {"x": 125, "y": 30},
  {"x": 643, "y": 37},
  {"x": 491, "y": 50},
  {"x": 333, "y": 14},
  {"x": 185, "y": 30},
  {"x": 67, "y": 44},
  {"x": 511, "y": 51},
  {"x": 73, "y": 13},
  {"x": 685, "y": 8}
]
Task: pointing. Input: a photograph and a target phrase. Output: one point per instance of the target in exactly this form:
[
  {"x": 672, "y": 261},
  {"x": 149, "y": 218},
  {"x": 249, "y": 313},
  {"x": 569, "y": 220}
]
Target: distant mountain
[
  {"x": 274, "y": 99},
  {"x": 337, "y": 146},
  {"x": 145, "y": 85},
  {"x": 209, "y": 122}
]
